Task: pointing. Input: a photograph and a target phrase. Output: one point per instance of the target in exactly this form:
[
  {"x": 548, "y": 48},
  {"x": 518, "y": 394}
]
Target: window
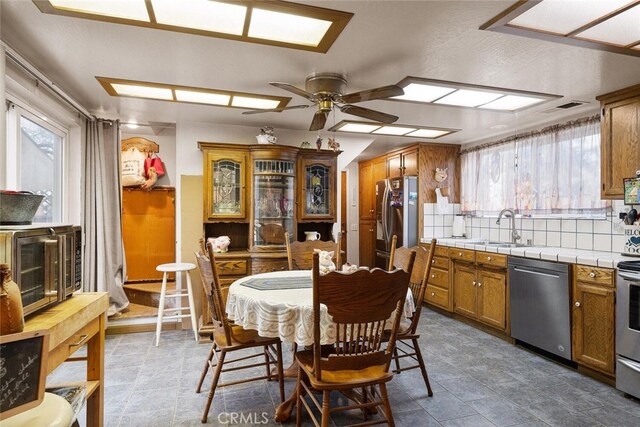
[
  {"x": 39, "y": 149},
  {"x": 554, "y": 172}
]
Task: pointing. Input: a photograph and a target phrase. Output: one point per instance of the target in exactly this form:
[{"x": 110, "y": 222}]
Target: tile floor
[{"x": 478, "y": 380}]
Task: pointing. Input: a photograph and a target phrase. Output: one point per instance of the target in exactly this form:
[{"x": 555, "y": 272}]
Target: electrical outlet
[{"x": 354, "y": 227}]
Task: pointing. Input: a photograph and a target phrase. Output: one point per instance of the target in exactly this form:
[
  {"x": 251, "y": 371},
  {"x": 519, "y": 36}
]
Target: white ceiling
[{"x": 384, "y": 42}]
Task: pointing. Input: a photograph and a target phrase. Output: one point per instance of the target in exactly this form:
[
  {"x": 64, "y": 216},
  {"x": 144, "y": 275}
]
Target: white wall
[{"x": 353, "y": 215}]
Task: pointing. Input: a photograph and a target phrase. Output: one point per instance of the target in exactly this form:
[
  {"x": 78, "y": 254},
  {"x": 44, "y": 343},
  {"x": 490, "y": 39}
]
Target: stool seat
[
  {"x": 54, "y": 411},
  {"x": 175, "y": 267}
]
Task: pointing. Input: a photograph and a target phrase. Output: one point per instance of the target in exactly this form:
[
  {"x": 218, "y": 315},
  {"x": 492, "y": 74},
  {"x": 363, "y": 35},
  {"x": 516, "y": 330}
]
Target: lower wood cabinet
[
  {"x": 368, "y": 243},
  {"x": 593, "y": 335},
  {"x": 480, "y": 293}
]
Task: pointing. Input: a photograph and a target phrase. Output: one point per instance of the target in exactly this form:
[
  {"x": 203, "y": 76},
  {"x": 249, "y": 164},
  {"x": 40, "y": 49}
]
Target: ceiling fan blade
[
  {"x": 274, "y": 110},
  {"x": 293, "y": 89},
  {"x": 319, "y": 120},
  {"x": 378, "y": 93},
  {"x": 366, "y": 113}
]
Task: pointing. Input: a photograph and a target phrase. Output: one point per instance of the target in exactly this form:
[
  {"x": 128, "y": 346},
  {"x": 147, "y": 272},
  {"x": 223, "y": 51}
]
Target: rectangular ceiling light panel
[
  {"x": 284, "y": 27},
  {"x": 621, "y": 30},
  {"x": 273, "y": 22},
  {"x": 205, "y": 15},
  {"x": 468, "y": 98},
  {"x": 140, "y": 91},
  {"x": 130, "y": 9},
  {"x": 424, "y": 92},
  {"x": 202, "y": 97},
  {"x": 196, "y": 95},
  {"x": 393, "y": 130},
  {"x": 563, "y": 16},
  {"x": 609, "y": 25},
  {"x": 418, "y": 89}
]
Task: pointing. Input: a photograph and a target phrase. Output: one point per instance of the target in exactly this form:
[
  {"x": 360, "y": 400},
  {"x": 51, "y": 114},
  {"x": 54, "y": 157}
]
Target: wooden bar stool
[{"x": 176, "y": 267}]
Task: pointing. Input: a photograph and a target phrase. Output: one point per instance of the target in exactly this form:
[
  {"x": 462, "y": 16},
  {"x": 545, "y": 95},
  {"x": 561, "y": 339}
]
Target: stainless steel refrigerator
[{"x": 397, "y": 214}]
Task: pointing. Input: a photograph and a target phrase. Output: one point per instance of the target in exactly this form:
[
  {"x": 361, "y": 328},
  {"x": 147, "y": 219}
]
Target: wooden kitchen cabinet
[
  {"x": 480, "y": 286},
  {"x": 438, "y": 290},
  {"x": 317, "y": 189},
  {"x": 225, "y": 178},
  {"x": 367, "y": 243},
  {"x": 593, "y": 334},
  {"x": 619, "y": 139},
  {"x": 367, "y": 191},
  {"x": 403, "y": 163}
]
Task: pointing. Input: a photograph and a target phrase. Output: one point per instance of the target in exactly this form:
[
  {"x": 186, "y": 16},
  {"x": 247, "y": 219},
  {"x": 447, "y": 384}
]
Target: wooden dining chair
[
  {"x": 300, "y": 254},
  {"x": 392, "y": 252},
  {"x": 359, "y": 304},
  {"x": 407, "y": 334},
  {"x": 228, "y": 337}
]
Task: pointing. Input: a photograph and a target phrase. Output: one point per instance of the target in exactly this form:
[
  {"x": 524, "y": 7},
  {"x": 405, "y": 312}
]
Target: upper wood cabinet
[
  {"x": 620, "y": 139},
  {"x": 225, "y": 182},
  {"x": 317, "y": 189},
  {"x": 403, "y": 163}
]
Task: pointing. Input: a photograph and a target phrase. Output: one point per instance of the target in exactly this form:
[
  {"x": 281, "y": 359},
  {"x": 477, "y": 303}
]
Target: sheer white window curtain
[{"x": 552, "y": 172}]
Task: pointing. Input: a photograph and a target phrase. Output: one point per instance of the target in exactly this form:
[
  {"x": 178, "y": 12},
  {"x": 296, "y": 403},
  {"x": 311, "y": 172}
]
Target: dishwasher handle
[{"x": 546, "y": 273}]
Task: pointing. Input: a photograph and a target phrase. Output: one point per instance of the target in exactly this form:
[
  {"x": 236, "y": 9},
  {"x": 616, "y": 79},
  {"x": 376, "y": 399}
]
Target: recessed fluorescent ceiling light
[
  {"x": 130, "y": 9},
  {"x": 423, "y": 93},
  {"x": 562, "y": 16},
  {"x": 257, "y": 103},
  {"x": 202, "y": 97},
  {"x": 393, "y": 130},
  {"x": 511, "y": 102},
  {"x": 142, "y": 91},
  {"x": 468, "y": 98},
  {"x": 358, "y": 127},
  {"x": 622, "y": 29},
  {"x": 285, "y": 27},
  {"x": 428, "y": 133},
  {"x": 201, "y": 14}
]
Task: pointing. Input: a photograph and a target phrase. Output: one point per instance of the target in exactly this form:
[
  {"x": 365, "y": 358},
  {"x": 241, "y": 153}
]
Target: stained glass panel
[
  {"x": 227, "y": 186},
  {"x": 317, "y": 194}
]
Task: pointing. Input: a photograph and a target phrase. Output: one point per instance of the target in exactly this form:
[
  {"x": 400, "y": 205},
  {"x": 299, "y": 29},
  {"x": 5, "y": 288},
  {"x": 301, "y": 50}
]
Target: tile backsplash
[{"x": 590, "y": 234}]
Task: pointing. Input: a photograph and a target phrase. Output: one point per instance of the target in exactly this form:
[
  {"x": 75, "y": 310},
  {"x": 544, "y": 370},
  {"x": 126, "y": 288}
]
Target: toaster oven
[{"x": 46, "y": 262}]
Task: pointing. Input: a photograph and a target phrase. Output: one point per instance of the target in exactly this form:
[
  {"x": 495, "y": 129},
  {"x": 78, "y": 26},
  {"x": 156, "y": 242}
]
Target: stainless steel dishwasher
[{"x": 539, "y": 304}]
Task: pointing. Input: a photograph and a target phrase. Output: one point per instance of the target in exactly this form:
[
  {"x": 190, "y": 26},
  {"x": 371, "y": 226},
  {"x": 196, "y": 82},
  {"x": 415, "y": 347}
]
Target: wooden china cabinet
[{"x": 256, "y": 193}]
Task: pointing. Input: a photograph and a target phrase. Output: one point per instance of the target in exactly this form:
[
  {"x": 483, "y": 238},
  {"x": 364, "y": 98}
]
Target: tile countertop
[{"x": 574, "y": 256}]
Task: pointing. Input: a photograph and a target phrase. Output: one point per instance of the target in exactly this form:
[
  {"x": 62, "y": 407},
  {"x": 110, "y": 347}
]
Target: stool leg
[
  {"x": 163, "y": 293},
  {"x": 192, "y": 305}
]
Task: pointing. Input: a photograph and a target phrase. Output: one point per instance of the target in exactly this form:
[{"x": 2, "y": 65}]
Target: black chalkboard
[{"x": 23, "y": 364}]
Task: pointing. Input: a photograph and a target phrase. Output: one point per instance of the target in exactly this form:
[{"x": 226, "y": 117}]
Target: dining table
[{"x": 280, "y": 304}]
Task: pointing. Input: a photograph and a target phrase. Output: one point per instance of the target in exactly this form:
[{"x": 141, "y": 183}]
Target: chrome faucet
[{"x": 512, "y": 218}]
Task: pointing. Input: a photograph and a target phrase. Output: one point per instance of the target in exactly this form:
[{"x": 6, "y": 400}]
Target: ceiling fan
[{"x": 327, "y": 90}]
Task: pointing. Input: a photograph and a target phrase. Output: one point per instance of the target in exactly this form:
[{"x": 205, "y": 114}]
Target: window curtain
[
  {"x": 104, "y": 251},
  {"x": 552, "y": 172}
]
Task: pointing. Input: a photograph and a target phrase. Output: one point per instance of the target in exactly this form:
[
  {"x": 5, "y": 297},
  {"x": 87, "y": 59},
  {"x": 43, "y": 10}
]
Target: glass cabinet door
[
  {"x": 226, "y": 187},
  {"x": 273, "y": 186},
  {"x": 318, "y": 192}
]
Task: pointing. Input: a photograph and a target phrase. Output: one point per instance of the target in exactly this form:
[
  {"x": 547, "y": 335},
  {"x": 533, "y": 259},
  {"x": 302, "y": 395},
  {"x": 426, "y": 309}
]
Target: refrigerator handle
[{"x": 385, "y": 215}]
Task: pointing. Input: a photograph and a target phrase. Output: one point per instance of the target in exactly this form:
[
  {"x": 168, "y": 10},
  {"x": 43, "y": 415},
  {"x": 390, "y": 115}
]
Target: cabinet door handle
[
  {"x": 592, "y": 274},
  {"x": 433, "y": 275},
  {"x": 489, "y": 258},
  {"x": 479, "y": 284},
  {"x": 433, "y": 294},
  {"x": 473, "y": 283},
  {"x": 459, "y": 253},
  {"x": 433, "y": 261},
  {"x": 577, "y": 304}
]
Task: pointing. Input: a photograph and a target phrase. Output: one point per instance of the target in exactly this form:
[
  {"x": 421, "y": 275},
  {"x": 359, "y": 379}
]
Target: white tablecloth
[{"x": 286, "y": 313}]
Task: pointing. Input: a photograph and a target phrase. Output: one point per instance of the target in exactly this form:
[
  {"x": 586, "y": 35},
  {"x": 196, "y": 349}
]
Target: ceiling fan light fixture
[
  {"x": 255, "y": 103},
  {"x": 205, "y": 15},
  {"x": 131, "y": 9},
  {"x": 423, "y": 92},
  {"x": 140, "y": 91},
  {"x": 511, "y": 103},
  {"x": 393, "y": 130},
  {"x": 202, "y": 97}
]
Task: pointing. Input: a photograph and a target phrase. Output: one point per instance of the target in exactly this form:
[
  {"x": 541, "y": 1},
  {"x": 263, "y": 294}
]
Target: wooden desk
[{"x": 71, "y": 324}]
